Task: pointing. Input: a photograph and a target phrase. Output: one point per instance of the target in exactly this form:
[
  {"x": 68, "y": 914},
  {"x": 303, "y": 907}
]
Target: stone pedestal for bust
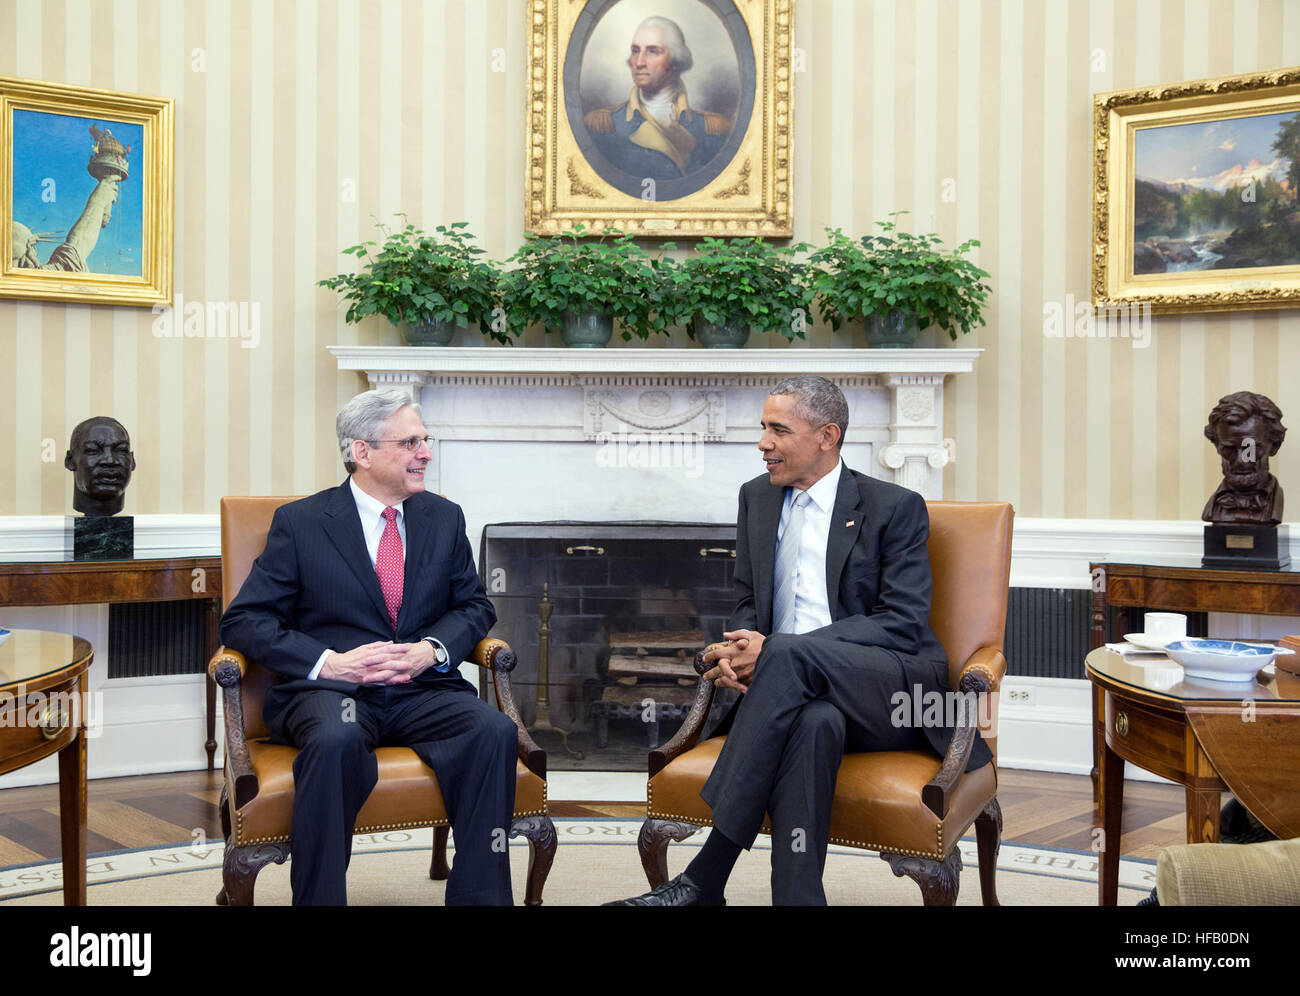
[
  {"x": 100, "y": 537},
  {"x": 1246, "y": 547}
]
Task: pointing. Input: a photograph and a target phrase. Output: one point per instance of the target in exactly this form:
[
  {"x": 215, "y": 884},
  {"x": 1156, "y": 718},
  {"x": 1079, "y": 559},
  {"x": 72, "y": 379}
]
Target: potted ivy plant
[
  {"x": 579, "y": 286},
  {"x": 898, "y": 283},
  {"x": 729, "y": 286},
  {"x": 426, "y": 285}
]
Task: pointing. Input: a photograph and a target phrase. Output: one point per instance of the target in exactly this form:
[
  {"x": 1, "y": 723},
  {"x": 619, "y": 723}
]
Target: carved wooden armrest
[
  {"x": 688, "y": 735},
  {"x": 988, "y": 662},
  {"x": 979, "y": 676},
  {"x": 497, "y": 657},
  {"x": 227, "y": 668}
]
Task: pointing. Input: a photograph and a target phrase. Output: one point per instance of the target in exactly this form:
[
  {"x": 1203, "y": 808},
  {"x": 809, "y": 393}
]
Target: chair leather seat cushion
[
  {"x": 877, "y": 799},
  {"x": 407, "y": 795}
]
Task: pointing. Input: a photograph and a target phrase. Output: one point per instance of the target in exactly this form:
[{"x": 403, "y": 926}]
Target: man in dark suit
[
  {"x": 831, "y": 625},
  {"x": 364, "y": 601}
]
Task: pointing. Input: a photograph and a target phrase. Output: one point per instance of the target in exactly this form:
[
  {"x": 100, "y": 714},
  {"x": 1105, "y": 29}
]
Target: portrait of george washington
[{"x": 659, "y": 93}]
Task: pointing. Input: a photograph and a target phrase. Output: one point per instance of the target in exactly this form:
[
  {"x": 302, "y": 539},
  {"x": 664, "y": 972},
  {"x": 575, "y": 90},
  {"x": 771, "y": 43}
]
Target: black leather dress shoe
[{"x": 679, "y": 891}]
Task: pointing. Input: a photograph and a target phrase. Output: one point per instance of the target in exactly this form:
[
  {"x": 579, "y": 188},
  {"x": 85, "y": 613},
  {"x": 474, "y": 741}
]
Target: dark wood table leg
[
  {"x": 1112, "y": 811},
  {"x": 213, "y": 630},
  {"x": 72, "y": 819},
  {"x": 1203, "y": 788},
  {"x": 1098, "y": 744}
]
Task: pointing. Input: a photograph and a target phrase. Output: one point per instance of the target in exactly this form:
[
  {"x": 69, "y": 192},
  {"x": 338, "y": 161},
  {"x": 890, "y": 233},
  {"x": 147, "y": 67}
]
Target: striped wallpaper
[{"x": 298, "y": 121}]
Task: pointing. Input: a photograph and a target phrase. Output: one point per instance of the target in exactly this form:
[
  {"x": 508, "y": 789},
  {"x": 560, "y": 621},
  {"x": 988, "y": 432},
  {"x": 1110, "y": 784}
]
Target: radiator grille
[
  {"x": 155, "y": 638},
  {"x": 1048, "y": 631}
]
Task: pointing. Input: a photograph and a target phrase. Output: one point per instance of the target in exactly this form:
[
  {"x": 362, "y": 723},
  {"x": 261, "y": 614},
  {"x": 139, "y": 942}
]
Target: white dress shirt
[
  {"x": 812, "y": 608},
  {"x": 371, "y": 512}
]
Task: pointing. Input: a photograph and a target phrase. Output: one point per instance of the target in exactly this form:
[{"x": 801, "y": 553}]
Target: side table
[
  {"x": 1207, "y": 735},
  {"x": 43, "y": 710},
  {"x": 1178, "y": 587},
  {"x": 196, "y": 574}
]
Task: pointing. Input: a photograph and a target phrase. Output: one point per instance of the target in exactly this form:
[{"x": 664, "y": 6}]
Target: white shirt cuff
[{"x": 315, "y": 672}]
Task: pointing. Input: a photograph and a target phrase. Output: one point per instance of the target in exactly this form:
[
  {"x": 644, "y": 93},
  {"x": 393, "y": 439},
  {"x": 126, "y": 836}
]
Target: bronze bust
[
  {"x": 1246, "y": 429},
  {"x": 100, "y": 458}
]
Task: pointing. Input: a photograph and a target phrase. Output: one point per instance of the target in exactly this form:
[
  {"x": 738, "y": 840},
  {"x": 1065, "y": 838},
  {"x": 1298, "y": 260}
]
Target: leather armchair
[
  {"x": 257, "y": 797},
  {"x": 911, "y": 806}
]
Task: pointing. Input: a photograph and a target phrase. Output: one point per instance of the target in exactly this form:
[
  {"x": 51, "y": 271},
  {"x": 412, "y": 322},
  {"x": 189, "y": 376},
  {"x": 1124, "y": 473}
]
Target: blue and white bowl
[{"x": 1222, "y": 660}]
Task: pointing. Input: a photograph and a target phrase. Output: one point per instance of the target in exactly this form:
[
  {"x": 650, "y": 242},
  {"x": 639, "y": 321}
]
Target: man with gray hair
[
  {"x": 832, "y": 621},
  {"x": 655, "y": 133},
  {"x": 363, "y": 602}
]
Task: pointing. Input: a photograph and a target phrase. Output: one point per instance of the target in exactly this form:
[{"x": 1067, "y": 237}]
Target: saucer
[{"x": 1144, "y": 642}]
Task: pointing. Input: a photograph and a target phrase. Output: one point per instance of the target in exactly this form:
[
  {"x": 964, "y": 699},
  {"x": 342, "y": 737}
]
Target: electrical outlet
[{"x": 1021, "y": 696}]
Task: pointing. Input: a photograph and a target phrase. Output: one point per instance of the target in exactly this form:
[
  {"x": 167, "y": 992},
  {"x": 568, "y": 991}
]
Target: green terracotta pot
[
  {"x": 732, "y": 334},
  {"x": 587, "y": 329},
  {"x": 429, "y": 333},
  {"x": 895, "y": 329}
]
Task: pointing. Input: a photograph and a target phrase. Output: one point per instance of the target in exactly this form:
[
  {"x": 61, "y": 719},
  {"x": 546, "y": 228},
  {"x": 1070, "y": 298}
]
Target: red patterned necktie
[{"x": 389, "y": 566}]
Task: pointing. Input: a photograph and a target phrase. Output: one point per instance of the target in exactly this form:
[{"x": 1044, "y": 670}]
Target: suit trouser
[
  {"x": 470, "y": 746},
  {"x": 811, "y": 700}
]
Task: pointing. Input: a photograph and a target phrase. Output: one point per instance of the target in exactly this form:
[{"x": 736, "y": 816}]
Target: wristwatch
[{"x": 439, "y": 654}]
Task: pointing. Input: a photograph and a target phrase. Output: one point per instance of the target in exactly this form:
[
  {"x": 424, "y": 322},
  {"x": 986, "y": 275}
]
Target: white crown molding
[{"x": 574, "y": 364}]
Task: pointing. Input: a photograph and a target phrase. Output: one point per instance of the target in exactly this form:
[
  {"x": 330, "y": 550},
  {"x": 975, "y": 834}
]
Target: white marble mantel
[{"x": 687, "y": 420}]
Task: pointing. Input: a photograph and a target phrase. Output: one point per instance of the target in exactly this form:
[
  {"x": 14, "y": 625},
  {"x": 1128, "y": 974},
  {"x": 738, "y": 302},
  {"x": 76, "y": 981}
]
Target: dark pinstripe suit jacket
[{"x": 314, "y": 587}]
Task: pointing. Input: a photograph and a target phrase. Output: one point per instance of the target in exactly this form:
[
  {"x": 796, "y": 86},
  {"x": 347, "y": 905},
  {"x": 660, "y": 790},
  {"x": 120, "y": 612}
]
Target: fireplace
[
  {"x": 605, "y": 618},
  {"x": 586, "y": 441}
]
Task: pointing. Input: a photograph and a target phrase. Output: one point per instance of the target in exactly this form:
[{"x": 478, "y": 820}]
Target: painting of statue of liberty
[{"x": 77, "y": 197}]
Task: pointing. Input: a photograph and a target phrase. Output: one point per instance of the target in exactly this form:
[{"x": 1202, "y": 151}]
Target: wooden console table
[
  {"x": 1182, "y": 588},
  {"x": 143, "y": 579},
  {"x": 43, "y": 675}
]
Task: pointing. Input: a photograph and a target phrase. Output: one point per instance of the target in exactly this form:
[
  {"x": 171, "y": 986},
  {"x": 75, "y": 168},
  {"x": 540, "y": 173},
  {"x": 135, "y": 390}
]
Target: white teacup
[{"x": 1164, "y": 626}]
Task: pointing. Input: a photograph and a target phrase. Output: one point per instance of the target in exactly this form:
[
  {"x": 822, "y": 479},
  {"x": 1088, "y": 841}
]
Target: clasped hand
[
  {"x": 735, "y": 660},
  {"x": 380, "y": 663}
]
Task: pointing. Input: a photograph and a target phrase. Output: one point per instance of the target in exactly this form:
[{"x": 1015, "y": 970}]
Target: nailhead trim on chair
[
  {"x": 239, "y": 825},
  {"x": 988, "y": 675},
  {"x": 937, "y": 855}
]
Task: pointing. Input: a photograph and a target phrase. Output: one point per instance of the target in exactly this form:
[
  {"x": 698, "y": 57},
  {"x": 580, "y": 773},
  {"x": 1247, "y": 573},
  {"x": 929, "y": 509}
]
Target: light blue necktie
[{"x": 787, "y": 566}]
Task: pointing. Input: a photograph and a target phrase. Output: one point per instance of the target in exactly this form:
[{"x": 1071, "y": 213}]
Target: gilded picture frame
[
  {"x": 87, "y": 181},
  {"x": 705, "y": 152},
  {"x": 1196, "y": 194}
]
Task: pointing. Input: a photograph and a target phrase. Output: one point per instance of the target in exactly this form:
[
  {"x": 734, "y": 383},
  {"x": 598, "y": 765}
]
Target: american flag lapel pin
[{"x": 849, "y": 523}]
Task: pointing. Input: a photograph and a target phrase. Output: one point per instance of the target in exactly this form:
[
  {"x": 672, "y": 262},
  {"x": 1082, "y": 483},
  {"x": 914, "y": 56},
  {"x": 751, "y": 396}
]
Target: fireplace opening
[{"x": 605, "y": 619}]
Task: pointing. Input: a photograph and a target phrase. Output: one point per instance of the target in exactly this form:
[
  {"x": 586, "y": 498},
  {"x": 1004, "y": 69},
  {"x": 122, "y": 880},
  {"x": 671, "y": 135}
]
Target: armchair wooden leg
[
  {"x": 653, "y": 845},
  {"x": 988, "y": 837},
  {"x": 224, "y": 807},
  {"x": 438, "y": 867},
  {"x": 240, "y": 867},
  {"x": 939, "y": 880},
  {"x": 540, "y": 834}
]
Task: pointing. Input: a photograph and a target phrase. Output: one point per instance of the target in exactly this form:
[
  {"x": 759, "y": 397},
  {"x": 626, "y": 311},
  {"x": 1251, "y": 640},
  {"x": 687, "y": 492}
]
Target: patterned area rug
[{"x": 596, "y": 861}]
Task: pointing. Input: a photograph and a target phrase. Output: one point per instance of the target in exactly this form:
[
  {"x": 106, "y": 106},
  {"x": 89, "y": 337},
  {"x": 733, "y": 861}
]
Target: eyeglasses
[{"x": 410, "y": 445}]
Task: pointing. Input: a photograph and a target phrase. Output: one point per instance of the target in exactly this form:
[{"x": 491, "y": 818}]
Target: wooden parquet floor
[{"x": 148, "y": 810}]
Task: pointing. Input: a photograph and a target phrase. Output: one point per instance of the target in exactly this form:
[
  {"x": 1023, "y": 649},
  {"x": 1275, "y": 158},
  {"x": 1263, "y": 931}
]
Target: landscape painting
[
  {"x": 1217, "y": 195},
  {"x": 1194, "y": 194}
]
